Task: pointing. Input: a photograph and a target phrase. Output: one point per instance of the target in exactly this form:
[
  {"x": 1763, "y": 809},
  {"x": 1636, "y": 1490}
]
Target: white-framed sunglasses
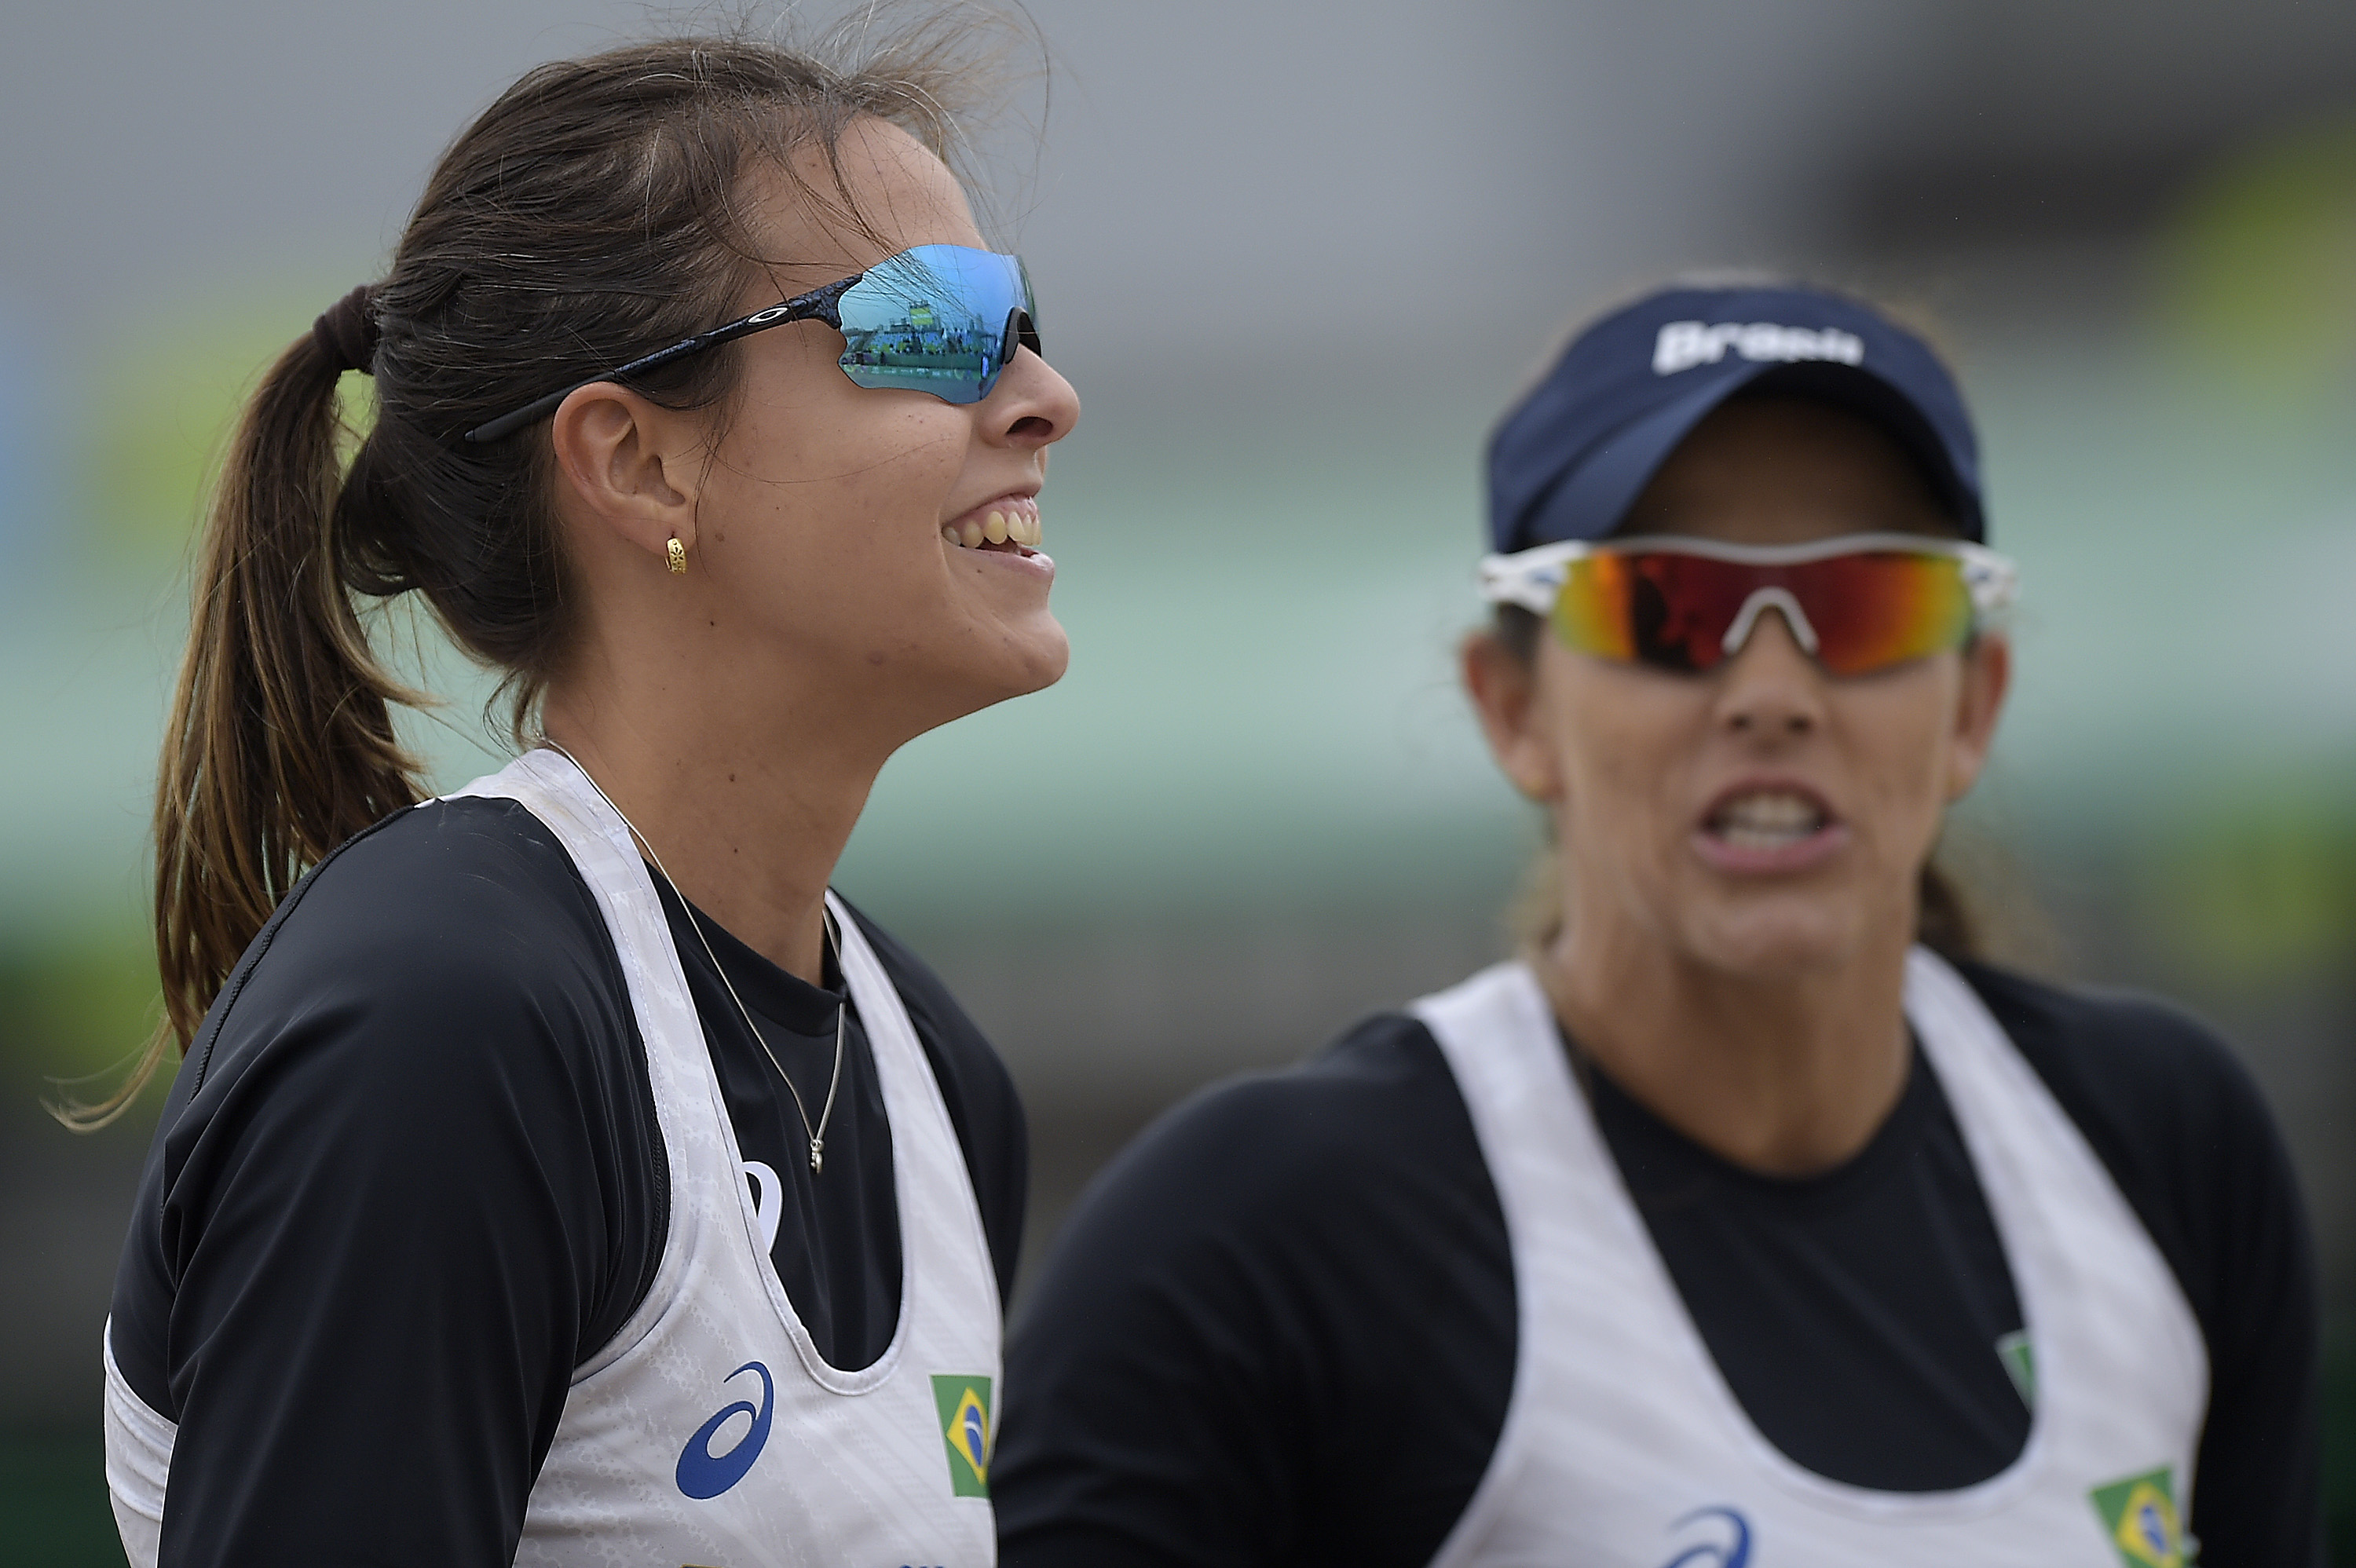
[{"x": 1855, "y": 602}]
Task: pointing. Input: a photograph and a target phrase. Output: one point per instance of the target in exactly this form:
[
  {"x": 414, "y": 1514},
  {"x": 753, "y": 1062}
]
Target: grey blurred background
[{"x": 1296, "y": 256}]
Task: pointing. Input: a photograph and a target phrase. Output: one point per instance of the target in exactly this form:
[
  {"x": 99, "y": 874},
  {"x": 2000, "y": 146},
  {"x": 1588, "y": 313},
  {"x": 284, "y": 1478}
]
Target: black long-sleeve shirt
[
  {"x": 410, "y": 1178},
  {"x": 1281, "y": 1329}
]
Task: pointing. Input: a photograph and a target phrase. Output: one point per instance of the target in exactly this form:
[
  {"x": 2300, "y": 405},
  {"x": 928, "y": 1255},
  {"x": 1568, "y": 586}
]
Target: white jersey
[
  {"x": 1622, "y": 1446},
  {"x": 710, "y": 1431}
]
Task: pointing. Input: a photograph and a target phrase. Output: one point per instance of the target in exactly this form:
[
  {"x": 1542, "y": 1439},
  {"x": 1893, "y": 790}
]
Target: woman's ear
[
  {"x": 1987, "y": 675},
  {"x": 1504, "y": 689},
  {"x": 628, "y": 462}
]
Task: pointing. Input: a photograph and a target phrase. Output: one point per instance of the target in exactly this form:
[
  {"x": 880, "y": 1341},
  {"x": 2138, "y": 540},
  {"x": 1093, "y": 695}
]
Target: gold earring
[{"x": 678, "y": 553}]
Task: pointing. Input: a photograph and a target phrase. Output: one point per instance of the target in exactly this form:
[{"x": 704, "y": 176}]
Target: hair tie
[{"x": 347, "y": 331}]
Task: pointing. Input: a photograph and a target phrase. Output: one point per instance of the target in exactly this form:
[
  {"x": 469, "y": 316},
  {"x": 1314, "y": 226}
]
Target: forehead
[
  {"x": 1773, "y": 470},
  {"x": 883, "y": 193}
]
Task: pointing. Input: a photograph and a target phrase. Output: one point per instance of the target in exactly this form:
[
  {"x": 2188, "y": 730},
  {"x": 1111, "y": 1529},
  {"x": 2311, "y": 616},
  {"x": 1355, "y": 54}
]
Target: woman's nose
[
  {"x": 1771, "y": 688},
  {"x": 1032, "y": 405}
]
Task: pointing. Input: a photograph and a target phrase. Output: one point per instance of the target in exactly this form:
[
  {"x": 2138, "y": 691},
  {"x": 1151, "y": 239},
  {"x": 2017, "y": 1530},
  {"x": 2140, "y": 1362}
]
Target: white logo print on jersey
[
  {"x": 768, "y": 1199},
  {"x": 1683, "y": 345}
]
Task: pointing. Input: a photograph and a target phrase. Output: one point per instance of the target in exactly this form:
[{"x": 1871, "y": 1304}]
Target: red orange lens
[
  {"x": 1866, "y": 611},
  {"x": 1874, "y": 611}
]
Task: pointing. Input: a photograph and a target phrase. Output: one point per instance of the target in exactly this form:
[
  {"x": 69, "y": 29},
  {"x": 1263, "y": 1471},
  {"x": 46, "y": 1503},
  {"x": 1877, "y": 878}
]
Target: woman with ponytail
[{"x": 558, "y": 1171}]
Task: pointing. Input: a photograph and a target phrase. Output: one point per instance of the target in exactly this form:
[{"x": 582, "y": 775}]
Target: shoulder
[
  {"x": 1333, "y": 1112},
  {"x": 445, "y": 963},
  {"x": 2169, "y": 1110},
  {"x": 1365, "y": 1153},
  {"x": 431, "y": 1045},
  {"x": 2133, "y": 1072},
  {"x": 2085, "y": 1029},
  {"x": 449, "y": 886},
  {"x": 1286, "y": 1312},
  {"x": 434, "y": 912}
]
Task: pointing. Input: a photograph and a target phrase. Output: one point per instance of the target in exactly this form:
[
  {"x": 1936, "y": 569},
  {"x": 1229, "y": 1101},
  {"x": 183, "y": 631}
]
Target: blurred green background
[{"x": 1296, "y": 256}]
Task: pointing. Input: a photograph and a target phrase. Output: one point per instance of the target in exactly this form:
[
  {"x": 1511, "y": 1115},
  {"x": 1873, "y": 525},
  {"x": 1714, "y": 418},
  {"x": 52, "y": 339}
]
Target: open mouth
[
  {"x": 1768, "y": 829},
  {"x": 1764, "y": 820},
  {"x": 1007, "y": 526}
]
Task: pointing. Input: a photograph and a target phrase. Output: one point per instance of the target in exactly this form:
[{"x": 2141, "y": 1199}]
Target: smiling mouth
[
  {"x": 1008, "y": 526},
  {"x": 1766, "y": 820}
]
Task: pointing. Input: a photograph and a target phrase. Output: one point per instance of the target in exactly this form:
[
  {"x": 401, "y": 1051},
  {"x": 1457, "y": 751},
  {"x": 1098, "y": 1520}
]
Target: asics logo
[
  {"x": 1683, "y": 345},
  {"x": 703, "y": 1474},
  {"x": 1734, "y": 1553}
]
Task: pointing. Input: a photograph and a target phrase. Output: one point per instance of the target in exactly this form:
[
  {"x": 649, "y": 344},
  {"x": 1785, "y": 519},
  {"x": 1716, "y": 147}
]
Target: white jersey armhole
[{"x": 138, "y": 1461}]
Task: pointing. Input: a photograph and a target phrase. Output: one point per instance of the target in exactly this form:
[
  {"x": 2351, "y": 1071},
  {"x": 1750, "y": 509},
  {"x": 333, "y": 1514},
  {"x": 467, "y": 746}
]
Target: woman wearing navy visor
[
  {"x": 1745, "y": 1218},
  {"x": 562, "y": 1174}
]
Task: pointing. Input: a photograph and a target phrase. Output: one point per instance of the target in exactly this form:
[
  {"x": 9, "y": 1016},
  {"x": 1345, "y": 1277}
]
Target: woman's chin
[
  {"x": 1025, "y": 658},
  {"x": 1038, "y": 652},
  {"x": 1776, "y": 937}
]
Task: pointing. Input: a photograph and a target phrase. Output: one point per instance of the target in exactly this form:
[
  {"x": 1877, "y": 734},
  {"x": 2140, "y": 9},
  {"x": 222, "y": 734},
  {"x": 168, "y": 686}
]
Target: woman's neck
[
  {"x": 746, "y": 801},
  {"x": 1787, "y": 1075}
]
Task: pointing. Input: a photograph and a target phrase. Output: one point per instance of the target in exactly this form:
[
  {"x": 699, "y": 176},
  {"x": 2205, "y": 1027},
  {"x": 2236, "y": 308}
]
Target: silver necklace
[{"x": 834, "y": 944}]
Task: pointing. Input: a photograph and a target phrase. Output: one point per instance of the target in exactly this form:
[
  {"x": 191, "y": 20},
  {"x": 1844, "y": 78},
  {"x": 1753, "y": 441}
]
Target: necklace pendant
[{"x": 818, "y": 1155}]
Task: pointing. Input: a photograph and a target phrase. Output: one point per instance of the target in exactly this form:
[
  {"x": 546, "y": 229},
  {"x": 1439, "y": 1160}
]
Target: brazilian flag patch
[
  {"x": 2139, "y": 1513},
  {"x": 964, "y": 1404}
]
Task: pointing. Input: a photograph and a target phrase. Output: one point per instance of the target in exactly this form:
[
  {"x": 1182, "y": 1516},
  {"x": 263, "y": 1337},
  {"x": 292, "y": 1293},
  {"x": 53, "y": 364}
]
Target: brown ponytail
[
  {"x": 281, "y": 743},
  {"x": 588, "y": 216}
]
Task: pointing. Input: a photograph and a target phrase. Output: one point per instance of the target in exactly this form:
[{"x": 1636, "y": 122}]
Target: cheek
[
  {"x": 887, "y": 474},
  {"x": 859, "y": 476},
  {"x": 1625, "y": 738},
  {"x": 1900, "y": 739}
]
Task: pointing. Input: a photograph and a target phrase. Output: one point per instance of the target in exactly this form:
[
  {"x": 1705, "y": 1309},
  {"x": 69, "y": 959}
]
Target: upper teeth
[
  {"x": 1767, "y": 817},
  {"x": 1012, "y": 521}
]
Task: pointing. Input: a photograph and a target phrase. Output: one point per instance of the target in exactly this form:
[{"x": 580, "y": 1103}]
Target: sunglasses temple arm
[
  {"x": 1993, "y": 583},
  {"x": 819, "y": 305},
  {"x": 1530, "y": 585},
  {"x": 506, "y": 424}
]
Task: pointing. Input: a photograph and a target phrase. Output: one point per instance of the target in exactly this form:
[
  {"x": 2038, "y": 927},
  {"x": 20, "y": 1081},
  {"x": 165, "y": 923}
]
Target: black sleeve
[
  {"x": 2186, "y": 1135},
  {"x": 408, "y": 1178},
  {"x": 1278, "y": 1330},
  {"x": 983, "y": 1105}
]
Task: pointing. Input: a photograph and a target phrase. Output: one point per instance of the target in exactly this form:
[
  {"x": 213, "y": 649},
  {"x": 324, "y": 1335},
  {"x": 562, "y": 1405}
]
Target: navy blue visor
[{"x": 1572, "y": 457}]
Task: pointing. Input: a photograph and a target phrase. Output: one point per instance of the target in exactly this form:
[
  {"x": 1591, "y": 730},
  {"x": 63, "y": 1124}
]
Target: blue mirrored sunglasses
[{"x": 944, "y": 319}]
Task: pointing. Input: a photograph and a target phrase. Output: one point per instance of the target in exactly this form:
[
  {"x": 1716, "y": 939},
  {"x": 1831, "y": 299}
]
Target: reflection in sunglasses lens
[{"x": 936, "y": 319}]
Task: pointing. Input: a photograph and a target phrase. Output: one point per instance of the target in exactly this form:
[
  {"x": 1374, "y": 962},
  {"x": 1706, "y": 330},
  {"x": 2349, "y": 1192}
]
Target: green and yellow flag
[
  {"x": 964, "y": 1404},
  {"x": 2140, "y": 1515}
]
